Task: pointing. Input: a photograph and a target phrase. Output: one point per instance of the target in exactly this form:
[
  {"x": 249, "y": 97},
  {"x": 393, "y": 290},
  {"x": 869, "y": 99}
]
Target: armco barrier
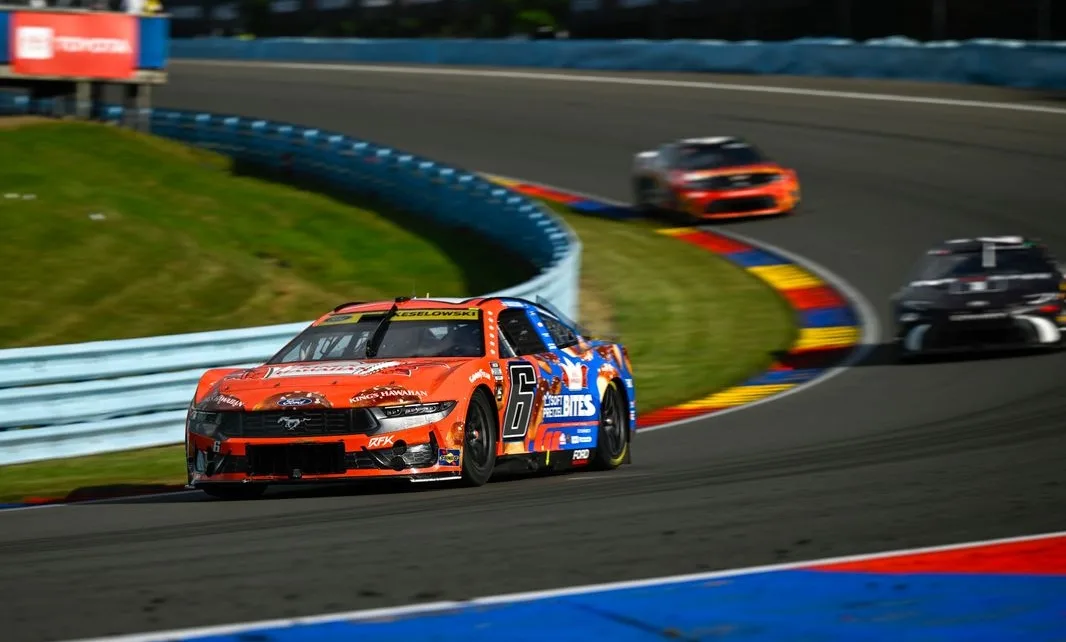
[
  {"x": 987, "y": 62},
  {"x": 104, "y": 396}
]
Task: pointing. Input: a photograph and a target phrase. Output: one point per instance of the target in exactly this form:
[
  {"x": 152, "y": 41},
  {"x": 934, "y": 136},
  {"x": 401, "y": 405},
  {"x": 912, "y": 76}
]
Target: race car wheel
[
  {"x": 479, "y": 441},
  {"x": 612, "y": 440},
  {"x": 233, "y": 491},
  {"x": 642, "y": 196}
]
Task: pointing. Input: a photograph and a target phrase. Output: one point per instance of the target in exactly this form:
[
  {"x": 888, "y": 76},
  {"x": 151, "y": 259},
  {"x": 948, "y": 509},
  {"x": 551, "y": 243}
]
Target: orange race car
[
  {"x": 713, "y": 178},
  {"x": 418, "y": 389}
]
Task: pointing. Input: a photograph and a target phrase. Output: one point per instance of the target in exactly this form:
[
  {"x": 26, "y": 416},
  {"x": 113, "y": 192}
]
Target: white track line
[
  {"x": 435, "y": 607},
  {"x": 629, "y": 80}
]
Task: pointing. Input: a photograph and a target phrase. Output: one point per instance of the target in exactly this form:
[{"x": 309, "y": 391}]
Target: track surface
[{"x": 880, "y": 457}]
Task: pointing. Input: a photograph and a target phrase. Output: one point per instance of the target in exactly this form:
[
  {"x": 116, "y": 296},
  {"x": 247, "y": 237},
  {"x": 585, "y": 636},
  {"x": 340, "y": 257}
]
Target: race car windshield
[
  {"x": 963, "y": 264},
  {"x": 693, "y": 157},
  {"x": 408, "y": 336}
]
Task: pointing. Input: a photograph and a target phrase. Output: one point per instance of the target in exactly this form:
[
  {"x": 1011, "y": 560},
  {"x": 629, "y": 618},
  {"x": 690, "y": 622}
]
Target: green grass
[
  {"x": 693, "y": 324},
  {"x": 186, "y": 244}
]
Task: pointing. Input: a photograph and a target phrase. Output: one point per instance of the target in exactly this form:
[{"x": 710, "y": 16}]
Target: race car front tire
[
  {"x": 612, "y": 439},
  {"x": 480, "y": 436}
]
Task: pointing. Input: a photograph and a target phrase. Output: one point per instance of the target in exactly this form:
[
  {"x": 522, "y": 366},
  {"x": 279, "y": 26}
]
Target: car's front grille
[
  {"x": 285, "y": 459},
  {"x": 955, "y": 334},
  {"x": 298, "y": 423},
  {"x": 740, "y": 205},
  {"x": 735, "y": 181}
]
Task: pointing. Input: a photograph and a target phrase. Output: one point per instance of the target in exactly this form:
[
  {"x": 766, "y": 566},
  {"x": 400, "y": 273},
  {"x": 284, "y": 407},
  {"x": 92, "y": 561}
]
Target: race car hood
[
  {"x": 760, "y": 168},
  {"x": 994, "y": 292},
  {"x": 334, "y": 384}
]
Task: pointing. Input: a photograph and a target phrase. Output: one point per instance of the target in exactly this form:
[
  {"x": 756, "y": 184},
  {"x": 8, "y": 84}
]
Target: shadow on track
[
  {"x": 887, "y": 354},
  {"x": 149, "y": 495}
]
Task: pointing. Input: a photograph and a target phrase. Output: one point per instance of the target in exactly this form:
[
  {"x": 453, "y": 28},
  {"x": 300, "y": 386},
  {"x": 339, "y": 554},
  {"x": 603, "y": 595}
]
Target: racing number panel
[
  {"x": 519, "y": 331},
  {"x": 521, "y": 394}
]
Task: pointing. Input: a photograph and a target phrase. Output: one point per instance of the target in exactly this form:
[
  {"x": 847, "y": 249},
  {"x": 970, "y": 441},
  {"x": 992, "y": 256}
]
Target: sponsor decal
[
  {"x": 580, "y": 439},
  {"x": 480, "y": 374},
  {"x": 563, "y": 406},
  {"x": 470, "y": 314},
  {"x": 448, "y": 457},
  {"x": 293, "y": 402},
  {"x": 386, "y": 395},
  {"x": 576, "y": 375},
  {"x": 221, "y": 401},
  {"x": 513, "y": 304},
  {"x": 581, "y": 454},
  {"x": 337, "y": 319},
  {"x": 295, "y": 399},
  {"x": 380, "y": 442},
  {"x": 340, "y": 368},
  {"x": 86, "y": 45}
]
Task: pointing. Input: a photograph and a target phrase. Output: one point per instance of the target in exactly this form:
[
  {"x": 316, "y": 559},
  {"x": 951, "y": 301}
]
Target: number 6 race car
[
  {"x": 418, "y": 389},
  {"x": 713, "y": 178}
]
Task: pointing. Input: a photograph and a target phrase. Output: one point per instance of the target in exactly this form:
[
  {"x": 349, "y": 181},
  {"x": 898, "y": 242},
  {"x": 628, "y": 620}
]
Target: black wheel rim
[
  {"x": 476, "y": 441},
  {"x": 613, "y": 420}
]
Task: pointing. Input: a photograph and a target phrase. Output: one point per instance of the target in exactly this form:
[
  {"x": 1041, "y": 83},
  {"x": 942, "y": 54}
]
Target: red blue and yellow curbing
[{"x": 829, "y": 327}]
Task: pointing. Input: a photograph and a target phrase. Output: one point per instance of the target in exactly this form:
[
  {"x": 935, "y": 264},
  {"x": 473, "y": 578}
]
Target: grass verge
[
  {"x": 126, "y": 235},
  {"x": 693, "y": 324}
]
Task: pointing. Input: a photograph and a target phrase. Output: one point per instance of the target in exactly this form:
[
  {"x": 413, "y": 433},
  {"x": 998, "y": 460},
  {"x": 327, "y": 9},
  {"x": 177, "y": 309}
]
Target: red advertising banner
[{"x": 84, "y": 45}]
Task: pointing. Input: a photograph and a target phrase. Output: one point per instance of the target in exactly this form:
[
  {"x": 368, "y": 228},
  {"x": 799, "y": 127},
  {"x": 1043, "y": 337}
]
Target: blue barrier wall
[
  {"x": 153, "y": 40},
  {"x": 104, "y": 396},
  {"x": 1023, "y": 65}
]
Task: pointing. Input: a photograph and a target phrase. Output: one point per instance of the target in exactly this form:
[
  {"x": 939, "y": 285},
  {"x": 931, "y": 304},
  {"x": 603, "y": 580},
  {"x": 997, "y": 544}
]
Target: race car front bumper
[
  {"x": 768, "y": 200},
  {"x": 417, "y": 454},
  {"x": 968, "y": 332}
]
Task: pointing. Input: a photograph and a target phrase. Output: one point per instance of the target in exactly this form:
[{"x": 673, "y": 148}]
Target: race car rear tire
[
  {"x": 612, "y": 439},
  {"x": 480, "y": 436},
  {"x": 234, "y": 491}
]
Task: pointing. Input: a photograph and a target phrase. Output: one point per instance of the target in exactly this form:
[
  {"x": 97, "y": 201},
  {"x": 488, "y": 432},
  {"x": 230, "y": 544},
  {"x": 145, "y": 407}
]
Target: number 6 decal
[{"x": 520, "y": 397}]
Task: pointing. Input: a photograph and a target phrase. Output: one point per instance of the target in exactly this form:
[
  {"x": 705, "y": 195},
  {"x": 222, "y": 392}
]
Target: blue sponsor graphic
[
  {"x": 569, "y": 406},
  {"x": 570, "y": 438},
  {"x": 448, "y": 457}
]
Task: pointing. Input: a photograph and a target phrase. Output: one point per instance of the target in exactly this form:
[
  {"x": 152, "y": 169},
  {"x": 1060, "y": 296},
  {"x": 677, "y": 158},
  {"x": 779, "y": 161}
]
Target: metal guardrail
[
  {"x": 987, "y": 62},
  {"x": 105, "y": 396}
]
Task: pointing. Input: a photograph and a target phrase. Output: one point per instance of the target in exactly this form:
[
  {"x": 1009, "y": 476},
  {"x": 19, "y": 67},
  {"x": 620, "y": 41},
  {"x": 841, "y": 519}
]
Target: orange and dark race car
[
  {"x": 418, "y": 389},
  {"x": 713, "y": 178}
]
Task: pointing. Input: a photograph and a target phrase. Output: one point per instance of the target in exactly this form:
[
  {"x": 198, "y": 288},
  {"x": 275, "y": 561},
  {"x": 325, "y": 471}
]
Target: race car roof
[
  {"x": 979, "y": 243},
  {"x": 711, "y": 140}
]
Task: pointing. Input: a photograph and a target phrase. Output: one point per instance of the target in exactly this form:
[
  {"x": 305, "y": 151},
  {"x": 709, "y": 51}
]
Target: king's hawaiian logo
[{"x": 576, "y": 375}]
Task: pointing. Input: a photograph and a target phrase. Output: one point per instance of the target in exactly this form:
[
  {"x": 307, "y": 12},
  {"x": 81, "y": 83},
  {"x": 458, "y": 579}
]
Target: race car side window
[
  {"x": 668, "y": 155},
  {"x": 563, "y": 336},
  {"x": 519, "y": 332}
]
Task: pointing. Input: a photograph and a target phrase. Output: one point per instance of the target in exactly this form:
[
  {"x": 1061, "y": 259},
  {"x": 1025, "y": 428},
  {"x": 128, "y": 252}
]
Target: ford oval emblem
[{"x": 298, "y": 401}]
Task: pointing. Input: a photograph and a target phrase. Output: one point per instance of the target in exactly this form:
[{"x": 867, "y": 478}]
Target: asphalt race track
[{"x": 880, "y": 457}]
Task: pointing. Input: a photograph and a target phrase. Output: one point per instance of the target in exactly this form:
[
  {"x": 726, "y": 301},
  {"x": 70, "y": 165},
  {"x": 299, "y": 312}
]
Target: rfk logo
[
  {"x": 34, "y": 43},
  {"x": 576, "y": 375}
]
